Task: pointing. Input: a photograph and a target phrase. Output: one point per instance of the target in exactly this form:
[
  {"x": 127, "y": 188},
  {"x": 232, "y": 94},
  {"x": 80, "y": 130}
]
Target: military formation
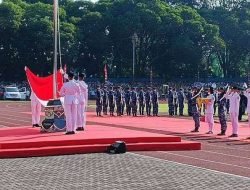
[
  {"x": 141, "y": 101},
  {"x": 135, "y": 101}
]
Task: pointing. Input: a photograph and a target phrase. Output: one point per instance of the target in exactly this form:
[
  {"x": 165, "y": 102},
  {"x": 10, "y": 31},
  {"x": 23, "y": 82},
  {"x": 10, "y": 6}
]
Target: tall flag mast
[{"x": 55, "y": 49}]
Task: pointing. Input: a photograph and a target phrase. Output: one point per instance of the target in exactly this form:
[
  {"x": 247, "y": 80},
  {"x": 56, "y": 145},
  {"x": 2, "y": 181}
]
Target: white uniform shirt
[
  {"x": 210, "y": 105},
  {"x": 234, "y": 102},
  {"x": 83, "y": 96},
  {"x": 247, "y": 94},
  {"x": 69, "y": 91}
]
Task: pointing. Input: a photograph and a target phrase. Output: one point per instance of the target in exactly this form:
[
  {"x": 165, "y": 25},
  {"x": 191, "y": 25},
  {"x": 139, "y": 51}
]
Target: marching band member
[
  {"x": 234, "y": 101},
  {"x": 69, "y": 91},
  {"x": 247, "y": 94},
  {"x": 83, "y": 102},
  {"x": 209, "y": 111},
  {"x": 35, "y": 110}
]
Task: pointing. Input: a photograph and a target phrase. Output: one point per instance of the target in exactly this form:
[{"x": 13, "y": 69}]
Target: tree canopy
[{"x": 173, "y": 38}]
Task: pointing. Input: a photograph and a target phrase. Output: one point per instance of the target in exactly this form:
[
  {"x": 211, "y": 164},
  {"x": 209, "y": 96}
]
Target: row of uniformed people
[
  {"x": 128, "y": 99},
  {"x": 233, "y": 95},
  {"x": 176, "y": 99},
  {"x": 75, "y": 95}
]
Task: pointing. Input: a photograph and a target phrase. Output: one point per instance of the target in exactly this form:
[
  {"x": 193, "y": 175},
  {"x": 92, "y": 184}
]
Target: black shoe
[
  {"x": 80, "y": 129},
  {"x": 234, "y": 135},
  {"x": 70, "y": 133},
  {"x": 195, "y": 131},
  {"x": 222, "y": 133},
  {"x": 36, "y": 125}
]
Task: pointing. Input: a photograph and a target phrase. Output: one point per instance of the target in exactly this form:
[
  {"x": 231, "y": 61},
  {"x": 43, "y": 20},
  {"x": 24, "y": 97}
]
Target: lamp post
[{"x": 134, "y": 40}]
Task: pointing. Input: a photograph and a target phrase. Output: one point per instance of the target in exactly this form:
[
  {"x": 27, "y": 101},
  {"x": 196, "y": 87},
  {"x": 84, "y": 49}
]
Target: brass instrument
[{"x": 201, "y": 101}]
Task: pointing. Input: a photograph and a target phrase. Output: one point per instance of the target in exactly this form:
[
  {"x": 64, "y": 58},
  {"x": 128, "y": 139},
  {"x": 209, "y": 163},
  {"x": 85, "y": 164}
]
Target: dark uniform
[
  {"x": 155, "y": 102},
  {"x": 222, "y": 112},
  {"x": 123, "y": 102},
  {"x": 105, "y": 101},
  {"x": 189, "y": 96},
  {"x": 141, "y": 101},
  {"x": 134, "y": 100},
  {"x": 243, "y": 105},
  {"x": 181, "y": 98},
  {"x": 127, "y": 96},
  {"x": 99, "y": 101},
  {"x": 175, "y": 101},
  {"x": 215, "y": 102},
  {"x": 170, "y": 102},
  {"x": 148, "y": 101},
  {"x": 227, "y": 106},
  {"x": 111, "y": 97},
  {"x": 195, "y": 111},
  {"x": 118, "y": 98}
]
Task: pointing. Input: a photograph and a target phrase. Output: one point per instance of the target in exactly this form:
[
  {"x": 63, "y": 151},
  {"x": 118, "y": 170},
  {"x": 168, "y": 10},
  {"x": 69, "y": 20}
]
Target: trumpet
[{"x": 201, "y": 101}]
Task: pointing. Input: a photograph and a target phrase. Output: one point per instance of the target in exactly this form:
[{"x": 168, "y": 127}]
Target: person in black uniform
[
  {"x": 123, "y": 101},
  {"x": 148, "y": 100},
  {"x": 222, "y": 111},
  {"x": 243, "y": 105},
  {"x": 105, "y": 101},
  {"x": 155, "y": 102},
  {"x": 175, "y": 101},
  {"x": 195, "y": 109},
  {"x": 128, "y": 100},
  {"x": 189, "y": 96},
  {"x": 170, "y": 102},
  {"x": 181, "y": 98},
  {"x": 134, "y": 101},
  {"x": 141, "y": 101},
  {"x": 118, "y": 100},
  {"x": 111, "y": 97},
  {"x": 99, "y": 101}
]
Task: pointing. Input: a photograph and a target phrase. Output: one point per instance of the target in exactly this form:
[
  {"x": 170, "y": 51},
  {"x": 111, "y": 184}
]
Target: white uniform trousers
[
  {"x": 209, "y": 118},
  {"x": 36, "y": 111},
  {"x": 81, "y": 115},
  {"x": 249, "y": 119},
  {"x": 234, "y": 121},
  {"x": 70, "y": 111}
]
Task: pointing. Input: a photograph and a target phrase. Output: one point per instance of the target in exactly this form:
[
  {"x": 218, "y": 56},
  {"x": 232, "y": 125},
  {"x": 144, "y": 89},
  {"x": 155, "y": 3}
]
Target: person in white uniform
[
  {"x": 209, "y": 111},
  {"x": 83, "y": 102},
  {"x": 234, "y": 101},
  {"x": 35, "y": 110},
  {"x": 69, "y": 91},
  {"x": 247, "y": 94}
]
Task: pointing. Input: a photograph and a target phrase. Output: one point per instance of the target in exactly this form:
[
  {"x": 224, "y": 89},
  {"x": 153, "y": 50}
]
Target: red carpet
[{"x": 28, "y": 142}]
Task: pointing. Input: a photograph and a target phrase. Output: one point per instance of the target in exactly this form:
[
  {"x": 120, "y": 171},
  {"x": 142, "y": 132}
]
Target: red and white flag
[{"x": 105, "y": 72}]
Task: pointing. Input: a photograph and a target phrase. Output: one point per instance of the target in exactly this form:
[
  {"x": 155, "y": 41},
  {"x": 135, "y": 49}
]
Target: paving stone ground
[{"x": 111, "y": 172}]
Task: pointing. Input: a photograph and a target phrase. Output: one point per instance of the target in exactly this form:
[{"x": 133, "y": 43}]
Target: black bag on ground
[{"x": 117, "y": 148}]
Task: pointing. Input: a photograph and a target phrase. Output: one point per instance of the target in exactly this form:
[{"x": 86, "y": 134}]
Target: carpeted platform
[{"x": 28, "y": 142}]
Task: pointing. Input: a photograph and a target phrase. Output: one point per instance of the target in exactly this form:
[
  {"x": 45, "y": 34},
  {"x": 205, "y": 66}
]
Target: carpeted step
[
  {"x": 72, "y": 142},
  {"x": 96, "y": 148}
]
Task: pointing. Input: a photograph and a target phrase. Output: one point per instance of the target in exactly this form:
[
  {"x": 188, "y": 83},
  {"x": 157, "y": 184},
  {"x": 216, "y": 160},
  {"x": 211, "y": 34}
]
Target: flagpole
[{"x": 55, "y": 49}]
